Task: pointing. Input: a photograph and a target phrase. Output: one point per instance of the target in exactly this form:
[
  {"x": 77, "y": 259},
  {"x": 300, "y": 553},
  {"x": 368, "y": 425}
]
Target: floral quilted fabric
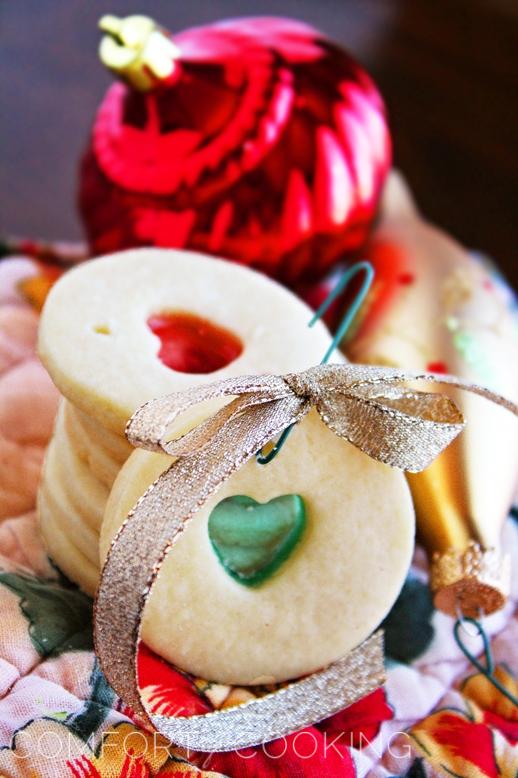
[{"x": 60, "y": 719}]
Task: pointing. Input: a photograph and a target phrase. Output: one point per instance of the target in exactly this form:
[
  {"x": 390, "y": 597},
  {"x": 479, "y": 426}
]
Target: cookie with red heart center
[{"x": 120, "y": 330}]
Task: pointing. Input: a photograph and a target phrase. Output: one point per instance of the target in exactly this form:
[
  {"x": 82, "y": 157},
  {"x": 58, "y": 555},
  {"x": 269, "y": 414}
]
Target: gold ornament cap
[
  {"x": 470, "y": 581},
  {"x": 137, "y": 50}
]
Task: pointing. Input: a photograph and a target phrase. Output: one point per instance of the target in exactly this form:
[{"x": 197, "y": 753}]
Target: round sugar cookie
[
  {"x": 69, "y": 523},
  {"x": 53, "y": 483},
  {"x": 99, "y": 461},
  {"x": 97, "y": 333},
  {"x": 115, "y": 446},
  {"x": 74, "y": 564},
  {"x": 66, "y": 471},
  {"x": 71, "y": 503},
  {"x": 334, "y": 588}
]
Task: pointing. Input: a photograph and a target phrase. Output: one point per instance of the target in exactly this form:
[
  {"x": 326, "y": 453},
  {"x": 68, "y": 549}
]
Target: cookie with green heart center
[
  {"x": 337, "y": 585},
  {"x": 252, "y": 539}
]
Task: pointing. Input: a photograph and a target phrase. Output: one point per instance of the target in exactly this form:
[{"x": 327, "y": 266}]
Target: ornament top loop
[{"x": 462, "y": 620}]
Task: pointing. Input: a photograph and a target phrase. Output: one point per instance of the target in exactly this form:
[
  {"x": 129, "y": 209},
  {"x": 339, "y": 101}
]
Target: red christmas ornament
[{"x": 255, "y": 139}]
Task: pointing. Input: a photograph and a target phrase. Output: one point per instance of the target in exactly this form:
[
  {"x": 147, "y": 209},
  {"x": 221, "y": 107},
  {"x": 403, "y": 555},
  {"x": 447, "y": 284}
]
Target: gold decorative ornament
[{"x": 436, "y": 307}]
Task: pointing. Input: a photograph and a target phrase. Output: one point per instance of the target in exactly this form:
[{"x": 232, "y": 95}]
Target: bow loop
[
  {"x": 197, "y": 438},
  {"x": 427, "y": 406},
  {"x": 403, "y": 429},
  {"x": 150, "y": 426}
]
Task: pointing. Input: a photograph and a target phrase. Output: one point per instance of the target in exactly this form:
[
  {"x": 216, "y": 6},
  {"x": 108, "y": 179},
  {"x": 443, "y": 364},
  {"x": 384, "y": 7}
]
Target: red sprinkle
[
  {"x": 406, "y": 278},
  {"x": 437, "y": 367}
]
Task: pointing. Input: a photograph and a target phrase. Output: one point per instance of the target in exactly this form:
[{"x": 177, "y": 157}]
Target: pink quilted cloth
[{"x": 58, "y": 717}]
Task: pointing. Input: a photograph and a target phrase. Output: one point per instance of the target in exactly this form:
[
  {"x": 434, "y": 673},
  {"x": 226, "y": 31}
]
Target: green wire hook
[
  {"x": 346, "y": 277},
  {"x": 489, "y": 668}
]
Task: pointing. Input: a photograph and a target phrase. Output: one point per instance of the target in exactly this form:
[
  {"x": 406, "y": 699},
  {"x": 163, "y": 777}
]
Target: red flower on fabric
[
  {"x": 453, "y": 742},
  {"x": 509, "y": 729},
  {"x": 305, "y": 754},
  {"x": 490, "y": 706},
  {"x": 359, "y": 724},
  {"x": 166, "y": 690}
]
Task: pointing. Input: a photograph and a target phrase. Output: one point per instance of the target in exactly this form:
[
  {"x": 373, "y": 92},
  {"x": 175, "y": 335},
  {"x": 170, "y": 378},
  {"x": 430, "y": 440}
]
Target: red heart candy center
[{"x": 190, "y": 344}]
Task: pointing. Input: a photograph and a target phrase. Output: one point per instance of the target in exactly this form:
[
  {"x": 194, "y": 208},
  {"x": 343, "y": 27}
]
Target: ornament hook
[{"x": 344, "y": 280}]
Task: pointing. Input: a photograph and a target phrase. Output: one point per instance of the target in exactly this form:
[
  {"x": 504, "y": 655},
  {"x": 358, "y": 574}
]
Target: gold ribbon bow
[{"x": 371, "y": 408}]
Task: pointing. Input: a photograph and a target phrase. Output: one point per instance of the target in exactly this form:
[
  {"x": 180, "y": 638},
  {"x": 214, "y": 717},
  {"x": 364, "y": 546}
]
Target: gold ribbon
[{"x": 366, "y": 405}]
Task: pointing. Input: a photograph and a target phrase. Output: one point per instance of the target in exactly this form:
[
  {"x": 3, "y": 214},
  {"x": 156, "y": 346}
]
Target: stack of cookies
[
  {"x": 81, "y": 463},
  {"x": 118, "y": 331}
]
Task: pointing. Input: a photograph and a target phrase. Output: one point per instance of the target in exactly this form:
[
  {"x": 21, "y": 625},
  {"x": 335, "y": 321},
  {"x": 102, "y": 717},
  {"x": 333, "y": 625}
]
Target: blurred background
[{"x": 448, "y": 70}]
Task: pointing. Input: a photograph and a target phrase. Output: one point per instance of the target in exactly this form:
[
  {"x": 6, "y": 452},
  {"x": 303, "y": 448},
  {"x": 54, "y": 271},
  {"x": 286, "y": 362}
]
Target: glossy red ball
[{"x": 268, "y": 147}]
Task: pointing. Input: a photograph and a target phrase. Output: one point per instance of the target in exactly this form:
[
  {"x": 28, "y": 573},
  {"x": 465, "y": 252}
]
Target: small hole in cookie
[
  {"x": 191, "y": 344},
  {"x": 102, "y": 329}
]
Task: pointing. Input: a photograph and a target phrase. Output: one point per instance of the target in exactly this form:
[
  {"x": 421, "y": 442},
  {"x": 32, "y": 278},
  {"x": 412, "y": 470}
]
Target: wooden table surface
[{"x": 448, "y": 70}]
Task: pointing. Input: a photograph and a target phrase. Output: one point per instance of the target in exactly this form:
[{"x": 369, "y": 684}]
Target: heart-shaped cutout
[
  {"x": 252, "y": 539},
  {"x": 190, "y": 344}
]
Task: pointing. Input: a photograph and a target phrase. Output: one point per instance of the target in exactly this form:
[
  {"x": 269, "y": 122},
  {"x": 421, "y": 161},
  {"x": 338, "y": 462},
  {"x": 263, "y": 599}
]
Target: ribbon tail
[
  {"x": 482, "y": 391},
  {"x": 379, "y": 375},
  {"x": 155, "y": 523}
]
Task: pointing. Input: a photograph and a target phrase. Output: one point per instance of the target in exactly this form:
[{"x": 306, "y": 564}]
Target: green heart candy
[{"x": 252, "y": 539}]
